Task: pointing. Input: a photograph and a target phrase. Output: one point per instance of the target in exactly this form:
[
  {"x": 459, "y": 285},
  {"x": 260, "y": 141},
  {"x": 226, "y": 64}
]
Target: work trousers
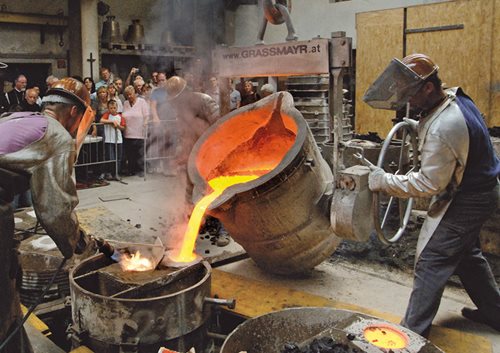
[
  {"x": 10, "y": 271},
  {"x": 454, "y": 248}
]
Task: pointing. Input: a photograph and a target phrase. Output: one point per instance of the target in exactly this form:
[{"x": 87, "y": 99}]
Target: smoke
[{"x": 187, "y": 29}]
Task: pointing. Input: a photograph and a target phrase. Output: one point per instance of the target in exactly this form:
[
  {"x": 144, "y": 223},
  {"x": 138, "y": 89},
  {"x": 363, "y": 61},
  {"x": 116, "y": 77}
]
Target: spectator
[
  {"x": 136, "y": 113},
  {"x": 119, "y": 88},
  {"x": 90, "y": 85},
  {"x": 138, "y": 84},
  {"x": 134, "y": 72},
  {"x": 267, "y": 90},
  {"x": 16, "y": 96},
  {"x": 158, "y": 97},
  {"x": 114, "y": 124},
  {"x": 101, "y": 107},
  {"x": 154, "y": 79},
  {"x": 38, "y": 100},
  {"x": 113, "y": 94},
  {"x": 146, "y": 92},
  {"x": 29, "y": 104},
  {"x": 50, "y": 80},
  {"x": 106, "y": 77},
  {"x": 234, "y": 97},
  {"x": 249, "y": 96},
  {"x": 213, "y": 90}
]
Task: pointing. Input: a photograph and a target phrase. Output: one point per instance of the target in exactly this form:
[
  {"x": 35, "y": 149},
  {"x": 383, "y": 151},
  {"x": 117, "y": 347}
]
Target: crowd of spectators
[{"x": 125, "y": 108}]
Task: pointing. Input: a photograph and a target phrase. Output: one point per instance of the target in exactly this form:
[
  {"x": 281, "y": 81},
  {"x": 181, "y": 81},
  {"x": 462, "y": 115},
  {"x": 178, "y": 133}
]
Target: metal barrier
[
  {"x": 93, "y": 150},
  {"x": 160, "y": 144}
]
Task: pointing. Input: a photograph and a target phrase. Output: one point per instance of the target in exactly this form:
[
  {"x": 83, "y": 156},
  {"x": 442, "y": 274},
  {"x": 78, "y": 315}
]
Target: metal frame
[
  {"x": 161, "y": 140},
  {"x": 90, "y": 162},
  {"x": 404, "y": 210}
]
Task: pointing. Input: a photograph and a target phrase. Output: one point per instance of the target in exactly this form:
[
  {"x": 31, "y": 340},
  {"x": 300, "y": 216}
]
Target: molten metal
[
  {"x": 385, "y": 336},
  {"x": 136, "y": 262},
  {"x": 219, "y": 184}
]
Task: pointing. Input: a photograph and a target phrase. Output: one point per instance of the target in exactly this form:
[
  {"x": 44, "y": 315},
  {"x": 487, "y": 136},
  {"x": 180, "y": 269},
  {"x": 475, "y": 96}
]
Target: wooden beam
[{"x": 33, "y": 19}]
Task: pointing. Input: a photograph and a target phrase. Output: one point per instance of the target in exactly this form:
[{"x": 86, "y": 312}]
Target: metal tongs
[{"x": 364, "y": 161}]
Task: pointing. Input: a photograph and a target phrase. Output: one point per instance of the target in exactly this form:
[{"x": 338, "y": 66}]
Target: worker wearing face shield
[
  {"x": 459, "y": 170},
  {"x": 37, "y": 152}
]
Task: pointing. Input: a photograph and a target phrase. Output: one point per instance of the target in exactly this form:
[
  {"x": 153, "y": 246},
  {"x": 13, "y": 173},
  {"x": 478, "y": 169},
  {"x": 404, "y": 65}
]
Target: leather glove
[
  {"x": 82, "y": 243},
  {"x": 376, "y": 178}
]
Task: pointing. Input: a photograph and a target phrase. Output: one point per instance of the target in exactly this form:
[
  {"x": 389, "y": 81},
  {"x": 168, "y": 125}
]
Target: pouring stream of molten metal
[{"x": 218, "y": 184}]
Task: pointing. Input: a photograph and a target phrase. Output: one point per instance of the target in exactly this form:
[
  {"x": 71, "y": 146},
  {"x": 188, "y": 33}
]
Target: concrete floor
[{"x": 150, "y": 203}]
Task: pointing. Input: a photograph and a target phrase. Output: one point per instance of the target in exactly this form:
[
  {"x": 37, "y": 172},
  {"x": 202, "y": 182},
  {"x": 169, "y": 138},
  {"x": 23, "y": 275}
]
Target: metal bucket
[
  {"x": 282, "y": 218},
  {"x": 271, "y": 332},
  {"x": 138, "y": 315}
]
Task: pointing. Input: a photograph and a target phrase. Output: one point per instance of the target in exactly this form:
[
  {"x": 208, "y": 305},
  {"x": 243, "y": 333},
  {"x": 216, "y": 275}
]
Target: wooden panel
[
  {"x": 379, "y": 39},
  {"x": 494, "y": 118},
  {"x": 463, "y": 56},
  {"x": 254, "y": 298}
]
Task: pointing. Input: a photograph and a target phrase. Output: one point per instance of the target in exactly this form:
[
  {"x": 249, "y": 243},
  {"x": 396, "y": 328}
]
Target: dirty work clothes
[
  {"x": 454, "y": 249},
  {"x": 10, "y": 271}
]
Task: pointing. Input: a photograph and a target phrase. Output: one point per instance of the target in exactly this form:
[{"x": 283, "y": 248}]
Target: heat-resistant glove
[{"x": 375, "y": 178}]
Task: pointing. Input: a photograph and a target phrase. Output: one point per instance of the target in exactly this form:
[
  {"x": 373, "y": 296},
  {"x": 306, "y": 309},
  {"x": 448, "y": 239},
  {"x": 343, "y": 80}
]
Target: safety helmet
[
  {"x": 421, "y": 64},
  {"x": 174, "y": 86},
  {"x": 69, "y": 89}
]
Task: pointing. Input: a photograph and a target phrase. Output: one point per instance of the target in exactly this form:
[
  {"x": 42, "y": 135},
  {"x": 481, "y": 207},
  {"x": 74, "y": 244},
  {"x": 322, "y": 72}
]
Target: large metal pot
[
  {"x": 282, "y": 218},
  {"x": 270, "y": 332},
  {"x": 172, "y": 315}
]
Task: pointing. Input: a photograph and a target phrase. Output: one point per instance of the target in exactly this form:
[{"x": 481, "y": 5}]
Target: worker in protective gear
[
  {"x": 37, "y": 152},
  {"x": 190, "y": 114},
  {"x": 459, "y": 170}
]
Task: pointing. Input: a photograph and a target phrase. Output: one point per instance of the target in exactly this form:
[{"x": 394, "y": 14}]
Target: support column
[{"x": 90, "y": 37}]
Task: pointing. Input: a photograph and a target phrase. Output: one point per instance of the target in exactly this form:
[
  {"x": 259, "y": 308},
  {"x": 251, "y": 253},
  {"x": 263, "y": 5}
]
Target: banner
[{"x": 283, "y": 59}]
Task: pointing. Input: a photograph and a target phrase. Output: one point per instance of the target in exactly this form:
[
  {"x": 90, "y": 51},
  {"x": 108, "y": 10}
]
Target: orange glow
[
  {"x": 385, "y": 336},
  {"x": 218, "y": 185},
  {"x": 136, "y": 262}
]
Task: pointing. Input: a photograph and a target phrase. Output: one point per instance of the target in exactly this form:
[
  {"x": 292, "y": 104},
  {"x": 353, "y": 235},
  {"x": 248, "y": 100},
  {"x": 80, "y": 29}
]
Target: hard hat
[
  {"x": 421, "y": 64},
  {"x": 174, "y": 86},
  {"x": 71, "y": 89}
]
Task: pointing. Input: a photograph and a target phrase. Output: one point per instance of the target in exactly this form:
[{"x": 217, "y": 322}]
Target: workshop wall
[
  {"x": 22, "y": 43},
  {"x": 324, "y": 17},
  {"x": 467, "y": 57}
]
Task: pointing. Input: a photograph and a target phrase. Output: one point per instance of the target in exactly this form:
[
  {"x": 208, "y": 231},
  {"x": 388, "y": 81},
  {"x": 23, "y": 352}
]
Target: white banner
[{"x": 283, "y": 59}]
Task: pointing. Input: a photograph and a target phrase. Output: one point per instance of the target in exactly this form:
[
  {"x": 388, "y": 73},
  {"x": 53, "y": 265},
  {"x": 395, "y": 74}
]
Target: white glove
[
  {"x": 375, "y": 178},
  {"x": 413, "y": 124}
]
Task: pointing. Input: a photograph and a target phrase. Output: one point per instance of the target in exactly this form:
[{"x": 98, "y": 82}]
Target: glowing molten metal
[
  {"x": 136, "y": 262},
  {"x": 385, "y": 336},
  {"x": 219, "y": 184},
  {"x": 243, "y": 149}
]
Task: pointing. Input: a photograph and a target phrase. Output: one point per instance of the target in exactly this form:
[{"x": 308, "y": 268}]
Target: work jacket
[
  {"x": 47, "y": 155},
  {"x": 444, "y": 147}
]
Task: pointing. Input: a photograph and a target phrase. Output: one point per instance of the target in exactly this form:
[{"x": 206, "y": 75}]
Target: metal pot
[
  {"x": 270, "y": 332},
  {"x": 282, "y": 218}
]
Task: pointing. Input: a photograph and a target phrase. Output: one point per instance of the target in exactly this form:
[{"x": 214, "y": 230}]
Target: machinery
[{"x": 294, "y": 216}]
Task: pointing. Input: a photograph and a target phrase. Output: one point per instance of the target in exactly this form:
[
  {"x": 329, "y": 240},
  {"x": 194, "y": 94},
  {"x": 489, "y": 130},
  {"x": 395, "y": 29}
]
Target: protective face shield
[
  {"x": 83, "y": 128},
  {"x": 394, "y": 87},
  {"x": 73, "y": 92}
]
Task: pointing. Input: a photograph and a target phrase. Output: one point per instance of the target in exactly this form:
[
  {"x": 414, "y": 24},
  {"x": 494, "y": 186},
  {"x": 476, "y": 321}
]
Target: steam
[{"x": 177, "y": 23}]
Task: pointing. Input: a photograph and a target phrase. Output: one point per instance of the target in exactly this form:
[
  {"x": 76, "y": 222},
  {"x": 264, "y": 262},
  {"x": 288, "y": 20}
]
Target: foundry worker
[
  {"x": 459, "y": 169},
  {"x": 37, "y": 152},
  {"x": 193, "y": 113}
]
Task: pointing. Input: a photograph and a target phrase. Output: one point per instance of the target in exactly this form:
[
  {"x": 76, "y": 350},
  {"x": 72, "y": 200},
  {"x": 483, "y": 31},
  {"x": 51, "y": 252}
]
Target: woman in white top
[{"x": 136, "y": 115}]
